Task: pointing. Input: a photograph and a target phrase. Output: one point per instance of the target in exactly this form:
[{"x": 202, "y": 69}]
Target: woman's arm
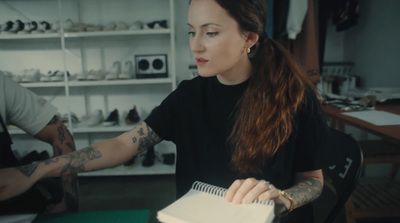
[{"x": 102, "y": 155}]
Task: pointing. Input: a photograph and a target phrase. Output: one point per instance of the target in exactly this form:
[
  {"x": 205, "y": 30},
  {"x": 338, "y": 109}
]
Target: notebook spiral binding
[{"x": 220, "y": 191}]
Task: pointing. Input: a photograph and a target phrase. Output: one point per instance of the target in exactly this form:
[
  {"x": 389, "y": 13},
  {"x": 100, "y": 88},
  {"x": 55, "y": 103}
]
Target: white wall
[{"x": 374, "y": 44}]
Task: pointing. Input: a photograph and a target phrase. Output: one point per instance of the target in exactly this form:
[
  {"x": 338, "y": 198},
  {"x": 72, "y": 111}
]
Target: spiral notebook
[{"x": 205, "y": 203}]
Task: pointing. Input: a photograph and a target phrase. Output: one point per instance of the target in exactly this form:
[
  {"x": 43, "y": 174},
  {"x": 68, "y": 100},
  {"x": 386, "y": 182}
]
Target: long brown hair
[{"x": 264, "y": 119}]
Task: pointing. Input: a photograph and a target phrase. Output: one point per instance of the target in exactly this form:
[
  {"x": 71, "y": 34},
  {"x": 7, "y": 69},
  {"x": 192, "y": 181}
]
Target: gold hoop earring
[{"x": 248, "y": 50}]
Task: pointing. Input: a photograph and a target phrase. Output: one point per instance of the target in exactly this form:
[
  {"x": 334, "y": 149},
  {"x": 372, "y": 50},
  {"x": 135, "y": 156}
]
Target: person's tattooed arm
[
  {"x": 56, "y": 134},
  {"x": 307, "y": 188}
]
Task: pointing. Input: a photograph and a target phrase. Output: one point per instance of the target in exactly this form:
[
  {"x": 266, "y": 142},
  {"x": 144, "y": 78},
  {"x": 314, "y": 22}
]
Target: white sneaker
[
  {"x": 109, "y": 27},
  {"x": 138, "y": 25},
  {"x": 31, "y": 75},
  {"x": 58, "y": 76},
  {"x": 116, "y": 70},
  {"x": 121, "y": 26},
  {"x": 46, "y": 77},
  {"x": 96, "y": 118},
  {"x": 127, "y": 73},
  {"x": 94, "y": 75},
  {"x": 67, "y": 25}
]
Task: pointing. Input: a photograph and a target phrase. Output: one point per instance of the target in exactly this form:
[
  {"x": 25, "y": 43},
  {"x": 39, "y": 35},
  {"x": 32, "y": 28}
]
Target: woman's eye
[
  {"x": 212, "y": 34},
  {"x": 191, "y": 33}
]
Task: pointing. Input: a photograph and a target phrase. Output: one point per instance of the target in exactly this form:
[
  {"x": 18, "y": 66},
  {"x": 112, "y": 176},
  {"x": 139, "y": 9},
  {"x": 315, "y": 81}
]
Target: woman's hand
[
  {"x": 13, "y": 182},
  {"x": 246, "y": 191}
]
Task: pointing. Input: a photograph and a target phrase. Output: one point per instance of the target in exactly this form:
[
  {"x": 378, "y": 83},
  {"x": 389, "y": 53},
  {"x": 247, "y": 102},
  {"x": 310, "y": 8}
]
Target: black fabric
[
  {"x": 198, "y": 117},
  {"x": 35, "y": 200}
]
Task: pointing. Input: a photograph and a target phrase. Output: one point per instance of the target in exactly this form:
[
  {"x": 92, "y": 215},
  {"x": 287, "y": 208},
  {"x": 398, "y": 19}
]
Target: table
[{"x": 387, "y": 132}]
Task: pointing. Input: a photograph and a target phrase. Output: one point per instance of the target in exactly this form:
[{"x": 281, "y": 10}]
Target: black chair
[{"x": 342, "y": 167}]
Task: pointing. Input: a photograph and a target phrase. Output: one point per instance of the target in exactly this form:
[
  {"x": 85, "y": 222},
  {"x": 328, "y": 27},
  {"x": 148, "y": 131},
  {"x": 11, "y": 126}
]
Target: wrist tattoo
[
  {"x": 27, "y": 170},
  {"x": 305, "y": 191}
]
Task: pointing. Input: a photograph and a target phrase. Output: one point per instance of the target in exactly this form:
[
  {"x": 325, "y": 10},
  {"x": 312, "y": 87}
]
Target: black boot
[{"x": 149, "y": 158}]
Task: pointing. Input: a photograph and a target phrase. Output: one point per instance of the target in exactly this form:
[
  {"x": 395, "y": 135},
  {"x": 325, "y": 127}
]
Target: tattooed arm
[
  {"x": 58, "y": 136},
  {"x": 102, "y": 155}
]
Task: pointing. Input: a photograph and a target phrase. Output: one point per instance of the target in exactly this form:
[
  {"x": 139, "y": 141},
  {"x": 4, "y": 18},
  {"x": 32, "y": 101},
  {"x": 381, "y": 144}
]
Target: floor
[{"x": 142, "y": 192}]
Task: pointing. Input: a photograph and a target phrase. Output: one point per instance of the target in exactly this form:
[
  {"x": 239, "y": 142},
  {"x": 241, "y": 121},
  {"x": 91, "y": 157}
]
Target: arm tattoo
[
  {"x": 77, "y": 160},
  {"x": 27, "y": 170},
  {"x": 61, "y": 136},
  {"x": 305, "y": 191},
  {"x": 151, "y": 139}
]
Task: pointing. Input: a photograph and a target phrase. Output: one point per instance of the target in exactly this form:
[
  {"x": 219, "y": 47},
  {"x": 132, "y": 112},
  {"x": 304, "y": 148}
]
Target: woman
[{"x": 249, "y": 122}]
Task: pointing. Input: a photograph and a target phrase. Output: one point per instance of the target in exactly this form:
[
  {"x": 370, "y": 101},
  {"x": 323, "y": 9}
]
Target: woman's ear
[{"x": 252, "y": 39}]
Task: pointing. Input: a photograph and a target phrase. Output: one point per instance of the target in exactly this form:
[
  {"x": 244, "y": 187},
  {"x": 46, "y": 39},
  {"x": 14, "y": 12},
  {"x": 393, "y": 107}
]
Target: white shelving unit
[{"x": 80, "y": 52}]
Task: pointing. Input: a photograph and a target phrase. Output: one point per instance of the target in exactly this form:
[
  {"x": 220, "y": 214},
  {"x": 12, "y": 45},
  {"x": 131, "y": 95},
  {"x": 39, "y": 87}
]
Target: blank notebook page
[{"x": 198, "y": 206}]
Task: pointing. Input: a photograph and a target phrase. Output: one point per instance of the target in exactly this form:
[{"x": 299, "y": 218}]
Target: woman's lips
[{"x": 201, "y": 61}]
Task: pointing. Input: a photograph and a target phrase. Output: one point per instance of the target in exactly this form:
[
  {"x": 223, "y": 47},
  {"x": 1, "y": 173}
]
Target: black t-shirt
[{"x": 198, "y": 117}]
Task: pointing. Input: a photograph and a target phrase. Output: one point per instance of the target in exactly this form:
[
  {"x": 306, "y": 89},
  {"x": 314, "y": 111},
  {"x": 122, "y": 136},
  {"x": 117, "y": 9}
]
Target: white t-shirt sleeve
[{"x": 25, "y": 109}]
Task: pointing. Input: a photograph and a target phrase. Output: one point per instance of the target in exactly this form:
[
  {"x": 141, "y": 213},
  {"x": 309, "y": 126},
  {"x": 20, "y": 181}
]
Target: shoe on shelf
[
  {"x": 42, "y": 27},
  {"x": 35, "y": 156},
  {"x": 28, "y": 27},
  {"x": 137, "y": 25},
  {"x": 149, "y": 157},
  {"x": 58, "y": 76},
  {"x": 74, "y": 118},
  {"x": 116, "y": 70},
  {"x": 95, "y": 75},
  {"x": 127, "y": 72},
  {"x": 93, "y": 28},
  {"x": 132, "y": 117},
  {"x": 109, "y": 27},
  {"x": 112, "y": 119},
  {"x": 17, "y": 26},
  {"x": 96, "y": 118},
  {"x": 46, "y": 77},
  {"x": 78, "y": 27},
  {"x": 67, "y": 25},
  {"x": 121, "y": 26},
  {"x": 161, "y": 24},
  {"x": 30, "y": 75},
  {"x": 6, "y": 26}
]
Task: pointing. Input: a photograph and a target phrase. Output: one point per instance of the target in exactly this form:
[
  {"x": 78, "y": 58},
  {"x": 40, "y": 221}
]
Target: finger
[
  {"x": 230, "y": 193},
  {"x": 261, "y": 187},
  {"x": 271, "y": 193},
  {"x": 246, "y": 186}
]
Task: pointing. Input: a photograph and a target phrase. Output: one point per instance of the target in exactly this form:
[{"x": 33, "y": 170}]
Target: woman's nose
[{"x": 196, "y": 45}]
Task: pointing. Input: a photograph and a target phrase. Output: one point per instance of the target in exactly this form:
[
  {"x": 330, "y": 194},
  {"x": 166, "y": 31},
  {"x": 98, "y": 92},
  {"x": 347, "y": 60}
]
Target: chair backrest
[{"x": 342, "y": 167}]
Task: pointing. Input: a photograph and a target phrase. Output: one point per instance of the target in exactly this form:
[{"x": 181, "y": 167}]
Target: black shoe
[
  {"x": 132, "y": 117},
  {"x": 149, "y": 158},
  {"x": 112, "y": 119},
  {"x": 35, "y": 156}
]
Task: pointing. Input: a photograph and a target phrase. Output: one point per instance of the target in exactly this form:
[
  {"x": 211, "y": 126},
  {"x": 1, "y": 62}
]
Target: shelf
[
  {"x": 137, "y": 169},
  {"x": 76, "y": 83},
  {"x": 120, "y": 82},
  {"x": 85, "y": 34},
  {"x": 43, "y": 84},
  {"x": 117, "y": 33},
  {"x": 30, "y": 36}
]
